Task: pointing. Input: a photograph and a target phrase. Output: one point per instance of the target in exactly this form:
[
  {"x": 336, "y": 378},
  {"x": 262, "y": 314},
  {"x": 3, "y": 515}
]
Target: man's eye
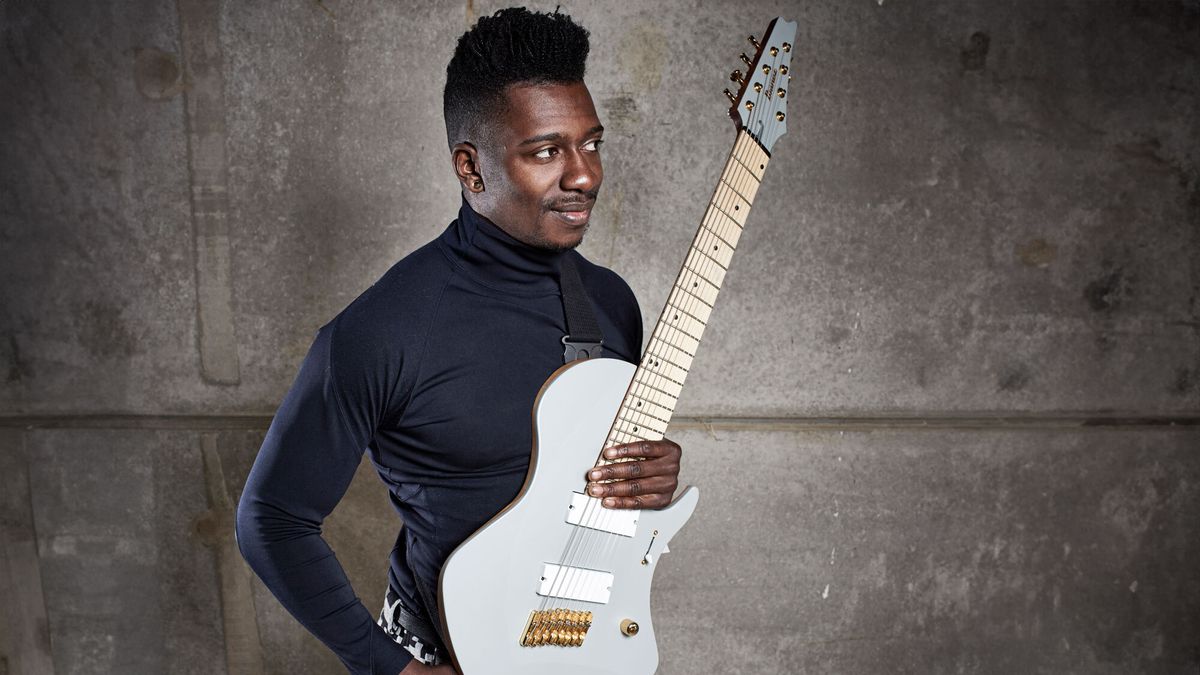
[
  {"x": 545, "y": 153},
  {"x": 593, "y": 146}
]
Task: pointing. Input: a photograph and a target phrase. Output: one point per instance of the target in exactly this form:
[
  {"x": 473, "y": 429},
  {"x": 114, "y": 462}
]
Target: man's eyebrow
[{"x": 556, "y": 136}]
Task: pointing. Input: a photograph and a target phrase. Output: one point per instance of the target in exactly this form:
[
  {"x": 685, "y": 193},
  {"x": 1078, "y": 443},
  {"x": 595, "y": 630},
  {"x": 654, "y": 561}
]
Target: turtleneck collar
[{"x": 493, "y": 258}]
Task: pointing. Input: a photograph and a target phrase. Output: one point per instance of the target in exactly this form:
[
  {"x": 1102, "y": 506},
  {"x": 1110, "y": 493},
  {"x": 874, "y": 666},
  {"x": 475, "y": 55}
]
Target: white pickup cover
[
  {"x": 575, "y": 583},
  {"x": 587, "y": 512}
]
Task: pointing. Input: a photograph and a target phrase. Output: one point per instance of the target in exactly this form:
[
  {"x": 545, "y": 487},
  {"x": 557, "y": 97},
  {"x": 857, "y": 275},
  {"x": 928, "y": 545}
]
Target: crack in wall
[{"x": 208, "y": 177}]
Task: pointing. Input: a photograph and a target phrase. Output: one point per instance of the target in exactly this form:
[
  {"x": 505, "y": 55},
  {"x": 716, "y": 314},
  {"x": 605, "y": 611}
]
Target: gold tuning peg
[
  {"x": 754, "y": 42},
  {"x": 736, "y": 76},
  {"x": 745, "y": 59},
  {"x": 732, "y": 98}
]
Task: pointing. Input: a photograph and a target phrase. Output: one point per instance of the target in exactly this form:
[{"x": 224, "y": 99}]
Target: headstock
[{"x": 760, "y": 104}]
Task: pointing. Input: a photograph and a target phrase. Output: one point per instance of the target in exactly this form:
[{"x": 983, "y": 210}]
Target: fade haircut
[{"x": 512, "y": 46}]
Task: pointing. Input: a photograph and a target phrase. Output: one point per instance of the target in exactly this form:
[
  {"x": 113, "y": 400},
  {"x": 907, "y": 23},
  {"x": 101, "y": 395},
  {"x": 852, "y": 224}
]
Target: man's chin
[
  {"x": 567, "y": 244},
  {"x": 559, "y": 238}
]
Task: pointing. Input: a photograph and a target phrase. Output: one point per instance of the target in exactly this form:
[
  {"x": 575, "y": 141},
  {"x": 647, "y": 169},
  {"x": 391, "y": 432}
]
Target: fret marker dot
[
  {"x": 736, "y": 207},
  {"x": 695, "y": 284},
  {"x": 714, "y": 248}
]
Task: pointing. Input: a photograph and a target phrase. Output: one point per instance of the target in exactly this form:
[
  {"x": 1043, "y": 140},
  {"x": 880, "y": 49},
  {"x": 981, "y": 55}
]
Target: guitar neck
[{"x": 650, "y": 402}]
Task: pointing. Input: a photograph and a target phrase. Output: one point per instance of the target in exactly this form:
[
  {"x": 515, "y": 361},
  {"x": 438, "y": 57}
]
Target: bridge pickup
[
  {"x": 575, "y": 583},
  {"x": 586, "y": 511}
]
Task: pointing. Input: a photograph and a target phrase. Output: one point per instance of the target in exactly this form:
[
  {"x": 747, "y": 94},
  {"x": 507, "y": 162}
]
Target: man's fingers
[
  {"x": 644, "y": 449},
  {"x": 648, "y": 502},
  {"x": 663, "y": 466},
  {"x": 636, "y": 487}
]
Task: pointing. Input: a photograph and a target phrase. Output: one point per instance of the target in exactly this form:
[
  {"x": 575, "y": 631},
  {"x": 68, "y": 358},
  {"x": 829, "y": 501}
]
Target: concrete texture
[{"x": 953, "y": 378}]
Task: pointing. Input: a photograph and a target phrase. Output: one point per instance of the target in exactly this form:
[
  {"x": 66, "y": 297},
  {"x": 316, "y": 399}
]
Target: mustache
[{"x": 586, "y": 199}]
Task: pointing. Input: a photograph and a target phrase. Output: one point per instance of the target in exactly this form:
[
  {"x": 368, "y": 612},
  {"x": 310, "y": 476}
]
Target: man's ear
[{"x": 466, "y": 167}]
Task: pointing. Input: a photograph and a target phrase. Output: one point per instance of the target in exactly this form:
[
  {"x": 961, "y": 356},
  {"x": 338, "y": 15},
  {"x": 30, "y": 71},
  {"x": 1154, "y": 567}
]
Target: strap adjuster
[{"x": 581, "y": 349}]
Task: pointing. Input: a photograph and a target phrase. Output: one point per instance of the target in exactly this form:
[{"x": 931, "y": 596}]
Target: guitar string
[
  {"x": 680, "y": 301},
  {"x": 594, "y": 516},
  {"x": 735, "y": 184},
  {"x": 598, "y": 519}
]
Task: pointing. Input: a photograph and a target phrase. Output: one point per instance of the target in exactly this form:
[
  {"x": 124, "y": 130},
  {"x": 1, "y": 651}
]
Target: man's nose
[{"x": 581, "y": 173}]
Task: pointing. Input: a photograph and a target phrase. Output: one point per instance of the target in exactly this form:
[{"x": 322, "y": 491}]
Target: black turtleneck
[{"x": 433, "y": 371}]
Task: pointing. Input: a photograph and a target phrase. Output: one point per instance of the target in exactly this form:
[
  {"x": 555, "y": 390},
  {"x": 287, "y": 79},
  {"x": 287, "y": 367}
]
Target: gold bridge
[{"x": 562, "y": 627}]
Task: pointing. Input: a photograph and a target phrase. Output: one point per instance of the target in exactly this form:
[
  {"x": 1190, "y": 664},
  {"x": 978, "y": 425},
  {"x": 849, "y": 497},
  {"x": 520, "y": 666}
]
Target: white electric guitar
[{"x": 555, "y": 584}]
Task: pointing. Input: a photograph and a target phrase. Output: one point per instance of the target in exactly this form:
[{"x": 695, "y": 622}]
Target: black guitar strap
[{"x": 583, "y": 339}]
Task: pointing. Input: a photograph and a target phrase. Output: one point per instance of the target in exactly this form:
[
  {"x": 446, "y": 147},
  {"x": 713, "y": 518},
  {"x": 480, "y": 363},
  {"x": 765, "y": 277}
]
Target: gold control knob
[
  {"x": 774, "y": 51},
  {"x": 779, "y": 116},
  {"x": 629, "y": 627},
  {"x": 787, "y": 47}
]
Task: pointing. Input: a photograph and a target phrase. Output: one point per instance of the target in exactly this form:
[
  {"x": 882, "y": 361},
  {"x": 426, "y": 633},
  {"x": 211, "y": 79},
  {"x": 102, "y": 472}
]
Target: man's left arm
[{"x": 647, "y": 482}]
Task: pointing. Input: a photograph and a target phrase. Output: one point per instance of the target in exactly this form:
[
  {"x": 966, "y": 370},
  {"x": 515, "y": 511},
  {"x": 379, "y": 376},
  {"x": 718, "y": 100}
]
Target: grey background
[{"x": 945, "y": 419}]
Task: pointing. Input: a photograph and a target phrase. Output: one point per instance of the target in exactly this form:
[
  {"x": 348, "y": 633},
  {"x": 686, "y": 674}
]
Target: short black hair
[{"x": 512, "y": 46}]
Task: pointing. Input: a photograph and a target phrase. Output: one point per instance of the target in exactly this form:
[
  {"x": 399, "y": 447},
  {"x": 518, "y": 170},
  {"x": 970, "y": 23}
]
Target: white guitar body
[{"x": 490, "y": 584}]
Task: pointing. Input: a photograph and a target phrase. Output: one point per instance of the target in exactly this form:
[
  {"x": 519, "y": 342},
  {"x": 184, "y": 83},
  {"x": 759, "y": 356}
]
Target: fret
[
  {"x": 660, "y": 403},
  {"x": 714, "y": 248},
  {"x": 651, "y": 368},
  {"x": 734, "y": 205},
  {"x": 649, "y": 407},
  {"x": 694, "y": 323},
  {"x": 635, "y": 415},
  {"x": 720, "y": 233},
  {"x": 685, "y": 323},
  {"x": 705, "y": 264},
  {"x": 697, "y": 286},
  {"x": 645, "y": 419},
  {"x": 658, "y": 382},
  {"x": 731, "y": 202},
  {"x": 663, "y": 384},
  {"x": 747, "y": 183},
  {"x": 634, "y": 429},
  {"x": 666, "y": 369},
  {"x": 699, "y": 266},
  {"x": 656, "y": 358},
  {"x": 726, "y": 227},
  {"x": 732, "y": 188},
  {"x": 653, "y": 378},
  {"x": 695, "y": 313},
  {"x": 680, "y": 340}
]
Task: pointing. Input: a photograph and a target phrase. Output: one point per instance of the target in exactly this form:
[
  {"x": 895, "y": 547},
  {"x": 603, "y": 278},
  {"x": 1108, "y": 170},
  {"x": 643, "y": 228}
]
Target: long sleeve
[{"x": 305, "y": 465}]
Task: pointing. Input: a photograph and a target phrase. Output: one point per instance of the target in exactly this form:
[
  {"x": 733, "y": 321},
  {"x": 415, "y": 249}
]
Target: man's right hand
[{"x": 415, "y": 667}]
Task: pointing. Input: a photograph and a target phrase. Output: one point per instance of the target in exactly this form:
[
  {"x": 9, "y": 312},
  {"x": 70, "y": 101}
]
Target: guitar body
[{"x": 490, "y": 584}]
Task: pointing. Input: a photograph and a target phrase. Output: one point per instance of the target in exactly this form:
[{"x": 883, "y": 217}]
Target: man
[{"x": 435, "y": 368}]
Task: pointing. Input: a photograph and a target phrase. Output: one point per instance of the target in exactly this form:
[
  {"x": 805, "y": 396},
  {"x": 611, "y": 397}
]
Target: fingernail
[
  {"x": 610, "y": 452},
  {"x": 597, "y": 490},
  {"x": 610, "y": 502},
  {"x": 595, "y": 474}
]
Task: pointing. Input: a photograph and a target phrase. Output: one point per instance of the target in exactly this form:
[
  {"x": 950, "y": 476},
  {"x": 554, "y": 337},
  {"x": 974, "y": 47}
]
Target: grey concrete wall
[{"x": 946, "y": 418}]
